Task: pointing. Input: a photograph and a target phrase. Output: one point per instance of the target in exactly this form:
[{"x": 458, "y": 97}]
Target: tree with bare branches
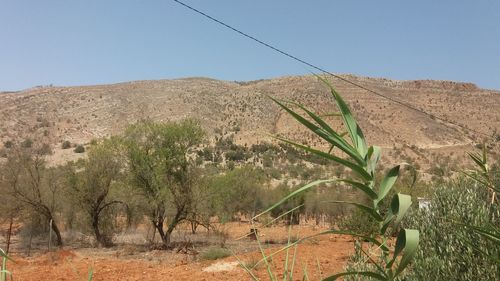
[{"x": 28, "y": 182}]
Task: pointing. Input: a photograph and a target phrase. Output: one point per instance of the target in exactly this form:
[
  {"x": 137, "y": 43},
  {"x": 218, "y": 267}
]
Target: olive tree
[
  {"x": 162, "y": 171},
  {"x": 93, "y": 183},
  {"x": 237, "y": 191},
  {"x": 27, "y": 181}
]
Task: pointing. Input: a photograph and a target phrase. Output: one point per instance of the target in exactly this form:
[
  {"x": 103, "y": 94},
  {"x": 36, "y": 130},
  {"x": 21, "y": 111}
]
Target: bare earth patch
[{"x": 331, "y": 252}]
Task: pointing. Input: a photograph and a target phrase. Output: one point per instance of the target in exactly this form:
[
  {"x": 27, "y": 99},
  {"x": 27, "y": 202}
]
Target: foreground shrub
[{"x": 447, "y": 250}]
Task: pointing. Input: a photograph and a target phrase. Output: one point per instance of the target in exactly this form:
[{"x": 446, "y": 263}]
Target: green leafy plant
[
  {"x": 448, "y": 250},
  {"x": 362, "y": 160},
  {"x": 482, "y": 175},
  {"x": 4, "y": 272}
]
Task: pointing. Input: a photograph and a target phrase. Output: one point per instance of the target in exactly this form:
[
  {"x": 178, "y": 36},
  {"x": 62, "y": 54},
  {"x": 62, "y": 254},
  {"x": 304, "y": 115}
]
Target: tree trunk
[
  {"x": 9, "y": 234},
  {"x": 166, "y": 239},
  {"x": 194, "y": 226},
  {"x": 59, "y": 242},
  {"x": 168, "y": 234},
  {"x": 98, "y": 236},
  {"x": 158, "y": 223},
  {"x": 179, "y": 216}
]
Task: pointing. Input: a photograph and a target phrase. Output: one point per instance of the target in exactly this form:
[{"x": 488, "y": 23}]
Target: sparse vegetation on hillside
[{"x": 234, "y": 109}]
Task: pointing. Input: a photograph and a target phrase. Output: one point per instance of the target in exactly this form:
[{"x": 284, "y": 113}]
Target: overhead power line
[{"x": 328, "y": 72}]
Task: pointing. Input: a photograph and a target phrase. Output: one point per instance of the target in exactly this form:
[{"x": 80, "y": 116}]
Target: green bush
[
  {"x": 27, "y": 143},
  {"x": 206, "y": 153},
  {"x": 66, "y": 145},
  {"x": 267, "y": 160},
  {"x": 236, "y": 155},
  {"x": 359, "y": 222},
  {"x": 45, "y": 149},
  {"x": 230, "y": 165},
  {"x": 273, "y": 173},
  {"x": 8, "y": 144},
  {"x": 447, "y": 250},
  {"x": 79, "y": 149},
  {"x": 215, "y": 253}
]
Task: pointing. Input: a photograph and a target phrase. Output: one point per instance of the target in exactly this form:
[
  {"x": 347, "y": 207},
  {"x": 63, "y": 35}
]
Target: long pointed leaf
[
  {"x": 408, "y": 240},
  {"x": 480, "y": 162},
  {"x": 306, "y": 276},
  {"x": 356, "y": 273},
  {"x": 388, "y": 219},
  {"x": 293, "y": 194},
  {"x": 363, "y": 187},
  {"x": 353, "y": 166},
  {"x": 491, "y": 232},
  {"x": 476, "y": 177},
  {"x": 368, "y": 210},
  {"x": 265, "y": 258},
  {"x": 293, "y": 261},
  {"x": 4, "y": 255},
  {"x": 316, "y": 118},
  {"x": 373, "y": 156},
  {"x": 350, "y": 123},
  {"x": 242, "y": 264},
  {"x": 282, "y": 215},
  {"x": 91, "y": 274},
  {"x": 380, "y": 269},
  {"x": 399, "y": 206},
  {"x": 337, "y": 141},
  {"x": 324, "y": 125},
  {"x": 388, "y": 182},
  {"x": 285, "y": 270},
  {"x": 331, "y": 231}
]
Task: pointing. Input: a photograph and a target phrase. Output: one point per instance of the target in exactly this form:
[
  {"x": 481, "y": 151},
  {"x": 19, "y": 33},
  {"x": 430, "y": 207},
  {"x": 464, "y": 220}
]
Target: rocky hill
[{"x": 80, "y": 114}]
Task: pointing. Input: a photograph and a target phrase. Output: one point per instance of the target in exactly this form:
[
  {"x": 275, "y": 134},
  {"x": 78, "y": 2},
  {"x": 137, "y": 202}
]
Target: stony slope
[{"x": 79, "y": 114}]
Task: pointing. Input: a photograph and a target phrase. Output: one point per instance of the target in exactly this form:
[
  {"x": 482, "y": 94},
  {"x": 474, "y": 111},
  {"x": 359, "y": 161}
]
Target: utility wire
[{"x": 327, "y": 72}]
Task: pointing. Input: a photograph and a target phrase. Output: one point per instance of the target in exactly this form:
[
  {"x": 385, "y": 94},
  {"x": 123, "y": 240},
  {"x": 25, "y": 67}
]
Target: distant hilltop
[{"x": 82, "y": 113}]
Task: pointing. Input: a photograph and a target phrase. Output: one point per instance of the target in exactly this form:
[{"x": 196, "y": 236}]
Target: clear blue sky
[{"x": 95, "y": 41}]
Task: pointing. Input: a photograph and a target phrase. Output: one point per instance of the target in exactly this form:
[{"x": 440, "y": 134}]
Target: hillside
[{"x": 80, "y": 114}]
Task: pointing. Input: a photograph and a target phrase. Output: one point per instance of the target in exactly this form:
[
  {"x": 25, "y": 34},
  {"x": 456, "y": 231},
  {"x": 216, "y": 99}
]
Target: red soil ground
[{"x": 329, "y": 251}]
